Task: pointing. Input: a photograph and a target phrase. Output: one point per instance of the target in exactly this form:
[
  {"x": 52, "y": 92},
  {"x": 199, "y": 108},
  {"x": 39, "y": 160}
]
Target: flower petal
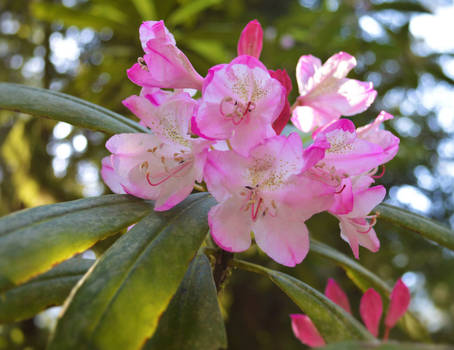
[
  {"x": 371, "y": 309},
  {"x": 399, "y": 302},
  {"x": 230, "y": 225},
  {"x": 285, "y": 241},
  {"x": 305, "y": 331},
  {"x": 251, "y": 40},
  {"x": 335, "y": 293},
  {"x": 110, "y": 177}
]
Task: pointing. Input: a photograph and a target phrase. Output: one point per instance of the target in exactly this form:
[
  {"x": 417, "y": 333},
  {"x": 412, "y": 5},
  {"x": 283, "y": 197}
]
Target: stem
[
  {"x": 386, "y": 335},
  {"x": 221, "y": 270},
  {"x": 244, "y": 265}
]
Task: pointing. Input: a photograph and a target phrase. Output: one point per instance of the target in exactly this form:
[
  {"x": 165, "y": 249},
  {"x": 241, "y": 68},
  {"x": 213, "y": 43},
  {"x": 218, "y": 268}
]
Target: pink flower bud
[
  {"x": 335, "y": 293},
  {"x": 371, "y": 309},
  {"x": 400, "y": 300},
  {"x": 251, "y": 40},
  {"x": 305, "y": 331}
]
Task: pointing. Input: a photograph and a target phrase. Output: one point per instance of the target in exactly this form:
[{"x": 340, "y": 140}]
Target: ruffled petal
[
  {"x": 283, "y": 240},
  {"x": 230, "y": 225}
]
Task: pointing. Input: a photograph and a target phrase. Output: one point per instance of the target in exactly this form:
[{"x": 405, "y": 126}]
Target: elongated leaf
[
  {"x": 365, "y": 279},
  {"x": 402, "y": 6},
  {"x": 417, "y": 223},
  {"x": 193, "y": 320},
  {"x": 33, "y": 240},
  {"x": 46, "y": 290},
  {"x": 118, "y": 304},
  {"x": 333, "y": 323},
  {"x": 385, "y": 346},
  {"x": 59, "y": 106},
  {"x": 190, "y": 9}
]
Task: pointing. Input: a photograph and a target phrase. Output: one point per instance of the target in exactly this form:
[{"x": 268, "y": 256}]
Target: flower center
[
  {"x": 235, "y": 110},
  {"x": 257, "y": 205}
]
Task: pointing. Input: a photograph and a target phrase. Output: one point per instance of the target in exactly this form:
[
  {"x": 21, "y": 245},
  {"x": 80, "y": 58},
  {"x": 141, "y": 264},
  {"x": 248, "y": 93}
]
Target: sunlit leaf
[
  {"x": 33, "y": 240},
  {"x": 48, "y": 289},
  {"x": 193, "y": 319},
  {"x": 190, "y": 9},
  {"x": 118, "y": 304},
  {"x": 59, "y": 106},
  {"x": 333, "y": 323}
]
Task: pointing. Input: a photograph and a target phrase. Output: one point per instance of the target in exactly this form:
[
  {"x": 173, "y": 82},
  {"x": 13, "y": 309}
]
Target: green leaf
[
  {"x": 193, "y": 319},
  {"x": 213, "y": 50},
  {"x": 365, "y": 279},
  {"x": 118, "y": 304},
  {"x": 59, "y": 106},
  {"x": 145, "y": 8},
  {"x": 33, "y": 240},
  {"x": 49, "y": 289},
  {"x": 76, "y": 17},
  {"x": 189, "y": 10},
  {"x": 385, "y": 346},
  {"x": 333, "y": 323},
  {"x": 417, "y": 223}
]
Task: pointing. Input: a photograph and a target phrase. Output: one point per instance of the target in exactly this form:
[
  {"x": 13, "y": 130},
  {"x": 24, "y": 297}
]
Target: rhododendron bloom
[
  {"x": 162, "y": 166},
  {"x": 326, "y": 93},
  {"x": 251, "y": 40},
  {"x": 265, "y": 193},
  {"x": 240, "y": 101},
  {"x": 163, "y": 65}
]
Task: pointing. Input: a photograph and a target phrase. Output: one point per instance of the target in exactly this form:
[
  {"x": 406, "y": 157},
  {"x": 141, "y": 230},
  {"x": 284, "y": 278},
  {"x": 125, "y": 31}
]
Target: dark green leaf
[
  {"x": 193, "y": 319},
  {"x": 333, "y": 323},
  {"x": 402, "y": 6},
  {"x": 385, "y": 346},
  {"x": 59, "y": 106},
  {"x": 46, "y": 290},
  {"x": 366, "y": 279},
  {"x": 190, "y": 9},
  {"x": 33, "y": 240},
  {"x": 417, "y": 223},
  {"x": 118, "y": 304}
]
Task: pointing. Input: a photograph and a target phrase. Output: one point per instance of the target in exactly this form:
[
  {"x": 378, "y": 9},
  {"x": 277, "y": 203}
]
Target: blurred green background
[{"x": 83, "y": 47}]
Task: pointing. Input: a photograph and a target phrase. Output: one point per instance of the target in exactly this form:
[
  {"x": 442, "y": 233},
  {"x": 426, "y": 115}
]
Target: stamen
[
  {"x": 254, "y": 215},
  {"x": 173, "y": 172},
  {"x": 341, "y": 190},
  {"x": 142, "y": 63},
  {"x": 381, "y": 174}
]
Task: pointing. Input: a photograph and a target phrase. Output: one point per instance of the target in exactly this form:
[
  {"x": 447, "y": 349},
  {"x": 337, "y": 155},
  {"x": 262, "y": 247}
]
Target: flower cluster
[
  {"x": 370, "y": 309},
  {"x": 230, "y": 140}
]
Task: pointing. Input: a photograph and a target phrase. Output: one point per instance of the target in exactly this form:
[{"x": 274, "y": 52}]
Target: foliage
[{"x": 255, "y": 311}]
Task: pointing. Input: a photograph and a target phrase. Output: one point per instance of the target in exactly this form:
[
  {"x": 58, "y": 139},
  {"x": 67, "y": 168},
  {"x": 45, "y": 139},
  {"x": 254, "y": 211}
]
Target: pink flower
[
  {"x": 385, "y": 139},
  {"x": 371, "y": 309},
  {"x": 162, "y": 166},
  {"x": 326, "y": 93},
  {"x": 251, "y": 40},
  {"x": 335, "y": 293},
  {"x": 267, "y": 194},
  {"x": 163, "y": 65},
  {"x": 400, "y": 300},
  {"x": 355, "y": 226},
  {"x": 281, "y": 121},
  {"x": 305, "y": 331},
  {"x": 240, "y": 101}
]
